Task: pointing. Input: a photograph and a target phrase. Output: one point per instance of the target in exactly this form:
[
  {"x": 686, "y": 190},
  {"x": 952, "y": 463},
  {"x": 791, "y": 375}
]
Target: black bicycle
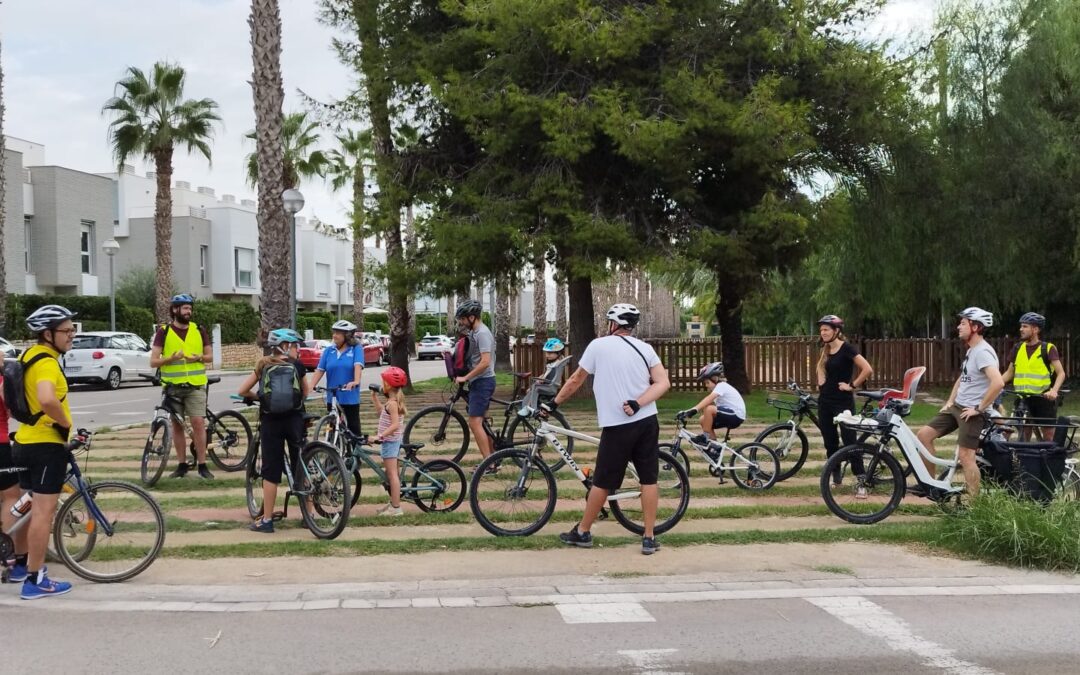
[{"x": 1022, "y": 411}]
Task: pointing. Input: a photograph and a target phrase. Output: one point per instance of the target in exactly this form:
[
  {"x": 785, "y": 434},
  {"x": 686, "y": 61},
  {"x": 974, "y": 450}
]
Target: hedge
[
  {"x": 239, "y": 321},
  {"x": 92, "y": 310}
]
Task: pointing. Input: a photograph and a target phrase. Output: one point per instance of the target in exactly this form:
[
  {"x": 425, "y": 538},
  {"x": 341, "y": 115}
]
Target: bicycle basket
[
  {"x": 1031, "y": 470},
  {"x": 783, "y": 404}
]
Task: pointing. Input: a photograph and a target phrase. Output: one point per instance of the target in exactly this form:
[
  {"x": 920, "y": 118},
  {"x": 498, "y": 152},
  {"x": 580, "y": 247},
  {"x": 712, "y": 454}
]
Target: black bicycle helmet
[
  {"x": 831, "y": 320},
  {"x": 469, "y": 308}
]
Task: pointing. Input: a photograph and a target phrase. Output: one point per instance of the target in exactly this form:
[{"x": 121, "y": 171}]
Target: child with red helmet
[{"x": 391, "y": 415}]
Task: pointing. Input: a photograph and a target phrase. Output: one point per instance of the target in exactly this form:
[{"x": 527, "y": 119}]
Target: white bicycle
[
  {"x": 753, "y": 466},
  {"x": 513, "y": 492}
]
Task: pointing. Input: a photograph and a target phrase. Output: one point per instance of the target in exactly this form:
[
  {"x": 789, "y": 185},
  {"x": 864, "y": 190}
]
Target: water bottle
[{"x": 22, "y": 507}]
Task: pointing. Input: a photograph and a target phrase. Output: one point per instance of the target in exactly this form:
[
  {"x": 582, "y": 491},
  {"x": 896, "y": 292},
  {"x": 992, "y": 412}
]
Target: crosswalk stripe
[{"x": 604, "y": 612}]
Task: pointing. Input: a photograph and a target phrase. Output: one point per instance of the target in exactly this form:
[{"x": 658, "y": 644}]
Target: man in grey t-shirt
[
  {"x": 481, "y": 375},
  {"x": 973, "y": 394}
]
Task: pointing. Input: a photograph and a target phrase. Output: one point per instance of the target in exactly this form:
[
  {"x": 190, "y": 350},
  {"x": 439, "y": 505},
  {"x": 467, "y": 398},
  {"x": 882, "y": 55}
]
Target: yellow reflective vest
[
  {"x": 1033, "y": 375},
  {"x": 183, "y": 372}
]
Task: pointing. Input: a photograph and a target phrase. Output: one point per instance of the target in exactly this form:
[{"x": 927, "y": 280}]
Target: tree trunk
[
  {"x": 3, "y": 210},
  {"x": 275, "y": 234},
  {"x": 582, "y": 329},
  {"x": 729, "y": 316},
  {"x": 502, "y": 326},
  {"x": 540, "y": 296},
  {"x": 163, "y": 282},
  {"x": 451, "y": 323},
  {"x": 358, "y": 245},
  {"x": 410, "y": 253},
  {"x": 560, "y": 311}
]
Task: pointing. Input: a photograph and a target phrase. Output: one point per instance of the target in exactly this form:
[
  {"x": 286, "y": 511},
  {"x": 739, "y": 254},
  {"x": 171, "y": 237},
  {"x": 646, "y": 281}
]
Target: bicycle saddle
[
  {"x": 878, "y": 394},
  {"x": 213, "y": 380},
  {"x": 411, "y": 446}
]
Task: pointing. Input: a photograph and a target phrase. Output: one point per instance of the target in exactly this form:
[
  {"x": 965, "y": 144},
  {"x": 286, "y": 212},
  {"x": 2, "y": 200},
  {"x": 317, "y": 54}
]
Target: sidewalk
[{"x": 562, "y": 576}]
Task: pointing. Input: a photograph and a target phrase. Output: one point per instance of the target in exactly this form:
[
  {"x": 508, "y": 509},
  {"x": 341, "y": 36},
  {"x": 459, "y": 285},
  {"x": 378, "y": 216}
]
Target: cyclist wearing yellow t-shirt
[{"x": 40, "y": 446}]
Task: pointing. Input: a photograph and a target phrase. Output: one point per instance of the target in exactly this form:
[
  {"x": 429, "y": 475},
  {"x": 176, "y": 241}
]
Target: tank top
[
  {"x": 384, "y": 424},
  {"x": 4, "y": 430}
]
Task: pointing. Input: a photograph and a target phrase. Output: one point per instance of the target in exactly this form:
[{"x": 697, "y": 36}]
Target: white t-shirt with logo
[
  {"x": 619, "y": 375},
  {"x": 728, "y": 396}
]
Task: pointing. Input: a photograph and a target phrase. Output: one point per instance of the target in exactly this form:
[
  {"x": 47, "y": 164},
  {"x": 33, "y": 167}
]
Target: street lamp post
[
  {"x": 293, "y": 201},
  {"x": 111, "y": 246},
  {"x": 340, "y": 281}
]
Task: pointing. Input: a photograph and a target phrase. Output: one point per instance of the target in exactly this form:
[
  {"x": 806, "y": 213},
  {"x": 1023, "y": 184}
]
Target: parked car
[
  {"x": 311, "y": 351},
  {"x": 433, "y": 346},
  {"x": 106, "y": 358},
  {"x": 9, "y": 350},
  {"x": 374, "y": 353}
]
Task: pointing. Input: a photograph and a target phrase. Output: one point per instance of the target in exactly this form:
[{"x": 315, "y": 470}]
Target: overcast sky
[{"x": 63, "y": 57}]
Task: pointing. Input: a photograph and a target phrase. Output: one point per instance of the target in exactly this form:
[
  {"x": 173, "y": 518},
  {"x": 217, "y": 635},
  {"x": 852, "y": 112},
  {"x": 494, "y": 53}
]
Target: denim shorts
[
  {"x": 480, "y": 392},
  {"x": 390, "y": 449}
]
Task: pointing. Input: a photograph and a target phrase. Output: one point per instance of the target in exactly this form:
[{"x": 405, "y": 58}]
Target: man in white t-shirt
[
  {"x": 628, "y": 378},
  {"x": 723, "y": 408}
]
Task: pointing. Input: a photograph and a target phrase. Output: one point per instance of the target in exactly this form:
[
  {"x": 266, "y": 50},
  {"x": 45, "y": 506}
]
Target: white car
[
  {"x": 107, "y": 358},
  {"x": 433, "y": 346}
]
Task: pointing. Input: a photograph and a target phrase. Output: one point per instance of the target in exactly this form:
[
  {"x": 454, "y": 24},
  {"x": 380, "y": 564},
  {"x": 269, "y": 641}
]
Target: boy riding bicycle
[{"x": 723, "y": 408}]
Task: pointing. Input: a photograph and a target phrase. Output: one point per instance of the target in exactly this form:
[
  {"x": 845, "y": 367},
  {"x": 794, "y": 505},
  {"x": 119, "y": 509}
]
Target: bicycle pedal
[{"x": 278, "y": 516}]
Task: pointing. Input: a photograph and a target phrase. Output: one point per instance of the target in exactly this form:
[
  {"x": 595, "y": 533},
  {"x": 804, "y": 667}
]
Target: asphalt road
[
  {"x": 968, "y": 635},
  {"x": 93, "y": 408}
]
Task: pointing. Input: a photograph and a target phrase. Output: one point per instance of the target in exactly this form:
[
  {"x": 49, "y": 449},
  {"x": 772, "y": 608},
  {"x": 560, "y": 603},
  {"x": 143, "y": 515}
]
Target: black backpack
[
  {"x": 280, "y": 390},
  {"x": 15, "y": 389}
]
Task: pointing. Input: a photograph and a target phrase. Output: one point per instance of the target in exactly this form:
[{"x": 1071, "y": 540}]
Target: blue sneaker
[
  {"x": 264, "y": 526},
  {"x": 47, "y": 587},
  {"x": 18, "y": 573}
]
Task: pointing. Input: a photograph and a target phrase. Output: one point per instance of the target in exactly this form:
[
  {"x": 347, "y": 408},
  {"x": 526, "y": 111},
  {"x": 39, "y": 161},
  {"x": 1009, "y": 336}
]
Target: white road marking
[
  {"x": 650, "y": 661},
  {"x": 875, "y": 621},
  {"x": 605, "y": 612}
]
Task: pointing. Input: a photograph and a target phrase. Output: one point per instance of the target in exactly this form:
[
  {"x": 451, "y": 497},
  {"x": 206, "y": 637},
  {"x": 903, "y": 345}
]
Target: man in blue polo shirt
[{"x": 342, "y": 363}]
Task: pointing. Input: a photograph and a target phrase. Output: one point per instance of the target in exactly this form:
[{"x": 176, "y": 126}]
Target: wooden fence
[{"x": 774, "y": 361}]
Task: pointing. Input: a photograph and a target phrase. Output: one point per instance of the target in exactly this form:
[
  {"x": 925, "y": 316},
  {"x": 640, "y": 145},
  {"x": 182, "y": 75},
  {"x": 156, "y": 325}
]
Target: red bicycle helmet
[{"x": 394, "y": 377}]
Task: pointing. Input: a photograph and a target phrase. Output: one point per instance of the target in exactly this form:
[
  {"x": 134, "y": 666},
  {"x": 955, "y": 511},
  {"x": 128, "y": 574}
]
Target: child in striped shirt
[{"x": 391, "y": 424}]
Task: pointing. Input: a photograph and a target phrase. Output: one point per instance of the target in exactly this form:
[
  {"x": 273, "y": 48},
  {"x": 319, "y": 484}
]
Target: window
[
  {"x": 244, "y": 259},
  {"x": 322, "y": 280},
  {"x": 204, "y": 260},
  {"x": 86, "y": 246},
  {"x": 28, "y": 239}
]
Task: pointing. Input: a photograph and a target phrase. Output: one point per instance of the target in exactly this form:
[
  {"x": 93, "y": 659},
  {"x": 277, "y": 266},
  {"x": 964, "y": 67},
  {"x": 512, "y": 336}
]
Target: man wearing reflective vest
[
  {"x": 181, "y": 351},
  {"x": 1035, "y": 368}
]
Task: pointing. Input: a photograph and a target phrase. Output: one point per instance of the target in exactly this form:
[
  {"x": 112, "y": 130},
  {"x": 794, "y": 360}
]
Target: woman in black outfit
[{"x": 835, "y": 370}]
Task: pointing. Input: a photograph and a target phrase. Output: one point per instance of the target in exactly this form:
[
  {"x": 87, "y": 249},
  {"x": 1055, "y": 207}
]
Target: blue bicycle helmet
[
  {"x": 1034, "y": 319},
  {"x": 282, "y": 336},
  {"x": 554, "y": 345},
  {"x": 182, "y": 299}
]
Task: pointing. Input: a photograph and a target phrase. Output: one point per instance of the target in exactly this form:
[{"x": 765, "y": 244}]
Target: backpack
[
  {"x": 279, "y": 389},
  {"x": 15, "y": 389},
  {"x": 460, "y": 359}
]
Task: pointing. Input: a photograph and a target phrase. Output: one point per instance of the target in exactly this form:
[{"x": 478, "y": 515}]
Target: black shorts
[
  {"x": 1040, "y": 407},
  {"x": 635, "y": 442},
  {"x": 275, "y": 432},
  {"x": 352, "y": 416},
  {"x": 725, "y": 418},
  {"x": 7, "y": 480},
  {"x": 46, "y": 466}
]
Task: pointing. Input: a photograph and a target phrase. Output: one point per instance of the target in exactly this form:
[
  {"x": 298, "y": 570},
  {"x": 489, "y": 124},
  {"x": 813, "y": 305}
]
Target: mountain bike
[
  {"x": 513, "y": 491},
  {"x": 435, "y": 486},
  {"x": 105, "y": 531},
  {"x": 445, "y": 431},
  {"x": 753, "y": 466},
  {"x": 228, "y": 436},
  {"x": 1022, "y": 411}
]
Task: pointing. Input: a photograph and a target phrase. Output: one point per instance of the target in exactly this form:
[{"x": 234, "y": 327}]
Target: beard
[{"x": 181, "y": 319}]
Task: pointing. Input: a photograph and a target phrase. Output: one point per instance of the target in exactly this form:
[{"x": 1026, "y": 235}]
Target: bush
[
  {"x": 318, "y": 322},
  {"x": 1000, "y": 528},
  {"x": 239, "y": 321},
  {"x": 138, "y": 320},
  {"x": 137, "y": 287}
]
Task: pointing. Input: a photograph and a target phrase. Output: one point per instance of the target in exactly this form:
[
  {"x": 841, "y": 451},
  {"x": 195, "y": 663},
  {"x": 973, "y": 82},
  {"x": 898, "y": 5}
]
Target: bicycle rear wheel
[
  {"x": 516, "y": 498},
  {"x": 673, "y": 486},
  {"x": 438, "y": 486},
  {"x": 228, "y": 437},
  {"x": 156, "y": 451},
  {"x": 790, "y": 445},
  {"x": 114, "y": 535},
  {"x": 323, "y": 490},
  {"x": 868, "y": 498},
  {"x": 443, "y": 431},
  {"x": 754, "y": 466},
  {"x": 253, "y": 482}
]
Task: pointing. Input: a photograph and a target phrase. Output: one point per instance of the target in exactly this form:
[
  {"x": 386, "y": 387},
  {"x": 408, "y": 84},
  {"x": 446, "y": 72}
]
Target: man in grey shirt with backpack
[{"x": 481, "y": 376}]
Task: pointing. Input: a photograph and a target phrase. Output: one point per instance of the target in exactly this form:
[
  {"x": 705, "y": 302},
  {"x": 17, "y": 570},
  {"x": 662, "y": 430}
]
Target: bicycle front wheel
[
  {"x": 522, "y": 431},
  {"x": 326, "y": 429},
  {"x": 324, "y": 490},
  {"x": 443, "y": 431},
  {"x": 673, "y": 487},
  {"x": 253, "y": 482},
  {"x": 790, "y": 444},
  {"x": 112, "y": 532},
  {"x": 511, "y": 494},
  {"x": 228, "y": 437},
  {"x": 438, "y": 486},
  {"x": 754, "y": 466},
  {"x": 867, "y": 498},
  {"x": 1070, "y": 485},
  {"x": 679, "y": 454},
  {"x": 156, "y": 451},
  {"x": 70, "y": 526}
]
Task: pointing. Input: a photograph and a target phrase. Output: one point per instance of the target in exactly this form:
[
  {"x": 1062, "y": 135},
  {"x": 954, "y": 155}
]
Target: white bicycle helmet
[
  {"x": 49, "y": 316},
  {"x": 977, "y": 315},
  {"x": 343, "y": 326},
  {"x": 626, "y": 315}
]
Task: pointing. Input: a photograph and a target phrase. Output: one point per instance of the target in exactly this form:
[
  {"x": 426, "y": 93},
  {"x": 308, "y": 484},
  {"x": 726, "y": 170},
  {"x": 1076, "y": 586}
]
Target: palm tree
[
  {"x": 300, "y": 158},
  {"x": 151, "y": 119},
  {"x": 3, "y": 197},
  {"x": 275, "y": 234},
  {"x": 347, "y": 167}
]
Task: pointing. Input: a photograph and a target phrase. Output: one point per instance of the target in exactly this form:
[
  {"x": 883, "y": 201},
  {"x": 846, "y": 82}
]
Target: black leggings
[
  {"x": 827, "y": 411},
  {"x": 352, "y": 416}
]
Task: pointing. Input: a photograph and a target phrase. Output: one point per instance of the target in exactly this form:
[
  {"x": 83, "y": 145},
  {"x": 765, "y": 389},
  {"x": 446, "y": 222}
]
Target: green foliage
[
  {"x": 92, "y": 310},
  {"x": 301, "y": 158},
  {"x": 239, "y": 320},
  {"x": 136, "y": 287},
  {"x": 318, "y": 323}
]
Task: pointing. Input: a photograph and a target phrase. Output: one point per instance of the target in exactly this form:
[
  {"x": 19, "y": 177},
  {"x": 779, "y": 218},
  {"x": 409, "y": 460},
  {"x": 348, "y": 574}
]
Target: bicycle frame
[
  {"x": 365, "y": 454},
  {"x": 909, "y": 444},
  {"x": 684, "y": 434},
  {"x": 549, "y": 433}
]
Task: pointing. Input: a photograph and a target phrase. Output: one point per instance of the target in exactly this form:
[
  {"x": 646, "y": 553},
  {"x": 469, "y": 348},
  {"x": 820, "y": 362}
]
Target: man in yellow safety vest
[
  {"x": 1035, "y": 368},
  {"x": 181, "y": 350}
]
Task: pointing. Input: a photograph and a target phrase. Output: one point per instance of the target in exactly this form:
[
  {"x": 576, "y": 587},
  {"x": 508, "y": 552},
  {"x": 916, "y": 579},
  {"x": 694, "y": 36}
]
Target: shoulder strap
[
  {"x": 1044, "y": 352},
  {"x": 648, "y": 370}
]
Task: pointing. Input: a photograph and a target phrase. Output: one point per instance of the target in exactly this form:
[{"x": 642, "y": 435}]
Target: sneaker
[
  {"x": 391, "y": 511},
  {"x": 575, "y": 538},
  {"x": 181, "y": 471},
  {"x": 18, "y": 573},
  {"x": 861, "y": 492},
  {"x": 47, "y": 587},
  {"x": 492, "y": 470},
  {"x": 205, "y": 474},
  {"x": 264, "y": 526},
  {"x": 700, "y": 439},
  {"x": 649, "y": 545}
]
